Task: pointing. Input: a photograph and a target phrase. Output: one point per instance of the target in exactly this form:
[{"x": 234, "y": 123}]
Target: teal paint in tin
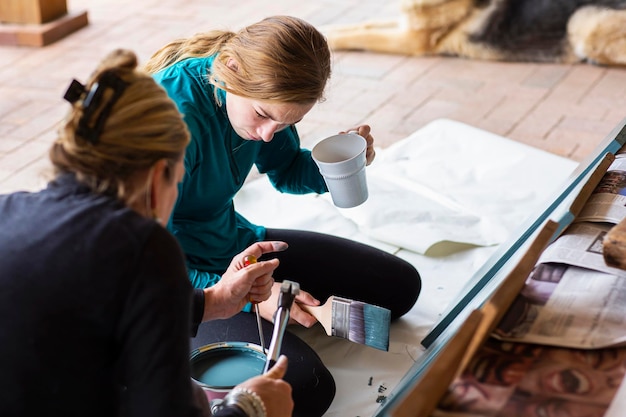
[{"x": 219, "y": 367}]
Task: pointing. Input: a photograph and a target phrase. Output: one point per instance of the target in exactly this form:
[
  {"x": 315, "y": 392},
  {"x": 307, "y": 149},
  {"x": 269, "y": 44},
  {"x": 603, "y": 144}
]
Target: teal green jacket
[{"x": 217, "y": 162}]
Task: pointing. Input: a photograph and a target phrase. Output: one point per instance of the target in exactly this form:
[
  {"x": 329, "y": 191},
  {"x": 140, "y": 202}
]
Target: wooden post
[
  {"x": 37, "y": 22},
  {"x": 31, "y": 11}
]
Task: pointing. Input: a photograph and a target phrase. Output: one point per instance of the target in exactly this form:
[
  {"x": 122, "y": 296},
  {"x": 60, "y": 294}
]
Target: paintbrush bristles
[
  {"x": 361, "y": 323},
  {"x": 376, "y": 321},
  {"x": 358, "y": 322}
]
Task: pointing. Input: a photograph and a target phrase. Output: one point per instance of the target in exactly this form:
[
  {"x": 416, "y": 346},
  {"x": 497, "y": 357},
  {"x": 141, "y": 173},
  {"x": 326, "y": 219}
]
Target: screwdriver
[{"x": 248, "y": 260}]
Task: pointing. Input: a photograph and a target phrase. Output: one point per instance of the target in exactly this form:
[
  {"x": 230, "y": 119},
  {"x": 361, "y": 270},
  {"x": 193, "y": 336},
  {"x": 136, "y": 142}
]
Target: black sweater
[{"x": 95, "y": 309}]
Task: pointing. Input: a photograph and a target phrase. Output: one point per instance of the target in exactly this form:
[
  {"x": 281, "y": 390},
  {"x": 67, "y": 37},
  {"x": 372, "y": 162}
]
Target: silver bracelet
[{"x": 249, "y": 402}]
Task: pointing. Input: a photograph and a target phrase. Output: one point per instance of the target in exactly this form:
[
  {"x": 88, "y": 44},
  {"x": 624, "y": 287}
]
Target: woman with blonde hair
[
  {"x": 241, "y": 94},
  {"x": 95, "y": 305}
]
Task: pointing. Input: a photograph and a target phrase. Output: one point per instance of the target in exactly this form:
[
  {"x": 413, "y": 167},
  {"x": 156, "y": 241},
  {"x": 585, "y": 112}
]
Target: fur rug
[{"x": 560, "y": 31}]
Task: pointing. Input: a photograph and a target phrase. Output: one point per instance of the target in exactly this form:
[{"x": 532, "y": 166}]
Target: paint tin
[{"x": 219, "y": 367}]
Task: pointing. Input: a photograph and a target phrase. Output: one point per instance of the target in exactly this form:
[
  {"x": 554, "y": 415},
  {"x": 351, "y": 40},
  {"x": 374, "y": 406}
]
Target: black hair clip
[
  {"x": 92, "y": 103},
  {"x": 74, "y": 92}
]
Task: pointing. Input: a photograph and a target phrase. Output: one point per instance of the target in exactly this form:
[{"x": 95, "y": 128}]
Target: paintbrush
[{"x": 356, "y": 321}]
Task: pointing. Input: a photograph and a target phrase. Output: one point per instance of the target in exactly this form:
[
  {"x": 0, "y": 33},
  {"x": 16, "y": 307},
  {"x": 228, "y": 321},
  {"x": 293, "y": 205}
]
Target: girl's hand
[
  {"x": 364, "y": 130},
  {"x": 296, "y": 314}
]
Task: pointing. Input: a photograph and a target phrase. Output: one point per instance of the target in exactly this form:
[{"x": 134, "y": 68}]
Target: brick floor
[{"x": 564, "y": 109}]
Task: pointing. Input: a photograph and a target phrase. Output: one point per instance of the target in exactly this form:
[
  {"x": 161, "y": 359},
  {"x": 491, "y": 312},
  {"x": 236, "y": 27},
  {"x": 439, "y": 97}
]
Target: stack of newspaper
[
  {"x": 560, "y": 349},
  {"x": 572, "y": 298}
]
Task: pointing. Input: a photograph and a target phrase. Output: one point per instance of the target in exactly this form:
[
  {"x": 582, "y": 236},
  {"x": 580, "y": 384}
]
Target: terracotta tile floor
[{"x": 563, "y": 109}]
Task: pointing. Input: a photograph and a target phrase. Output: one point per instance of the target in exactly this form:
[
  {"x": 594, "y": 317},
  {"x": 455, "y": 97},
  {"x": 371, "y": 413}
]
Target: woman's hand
[
  {"x": 241, "y": 284},
  {"x": 364, "y": 130},
  {"x": 296, "y": 314},
  {"x": 274, "y": 392}
]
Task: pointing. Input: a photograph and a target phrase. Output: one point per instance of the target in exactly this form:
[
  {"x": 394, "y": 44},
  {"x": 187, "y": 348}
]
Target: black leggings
[
  {"x": 323, "y": 265},
  {"x": 326, "y": 265}
]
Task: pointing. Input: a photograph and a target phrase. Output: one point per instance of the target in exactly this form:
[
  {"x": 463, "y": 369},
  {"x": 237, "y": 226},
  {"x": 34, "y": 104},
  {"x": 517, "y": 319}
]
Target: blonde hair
[
  {"x": 280, "y": 58},
  {"x": 143, "y": 126}
]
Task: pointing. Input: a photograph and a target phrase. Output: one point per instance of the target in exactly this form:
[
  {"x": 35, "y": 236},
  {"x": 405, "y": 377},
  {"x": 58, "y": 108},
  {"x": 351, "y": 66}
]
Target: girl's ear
[{"x": 232, "y": 64}]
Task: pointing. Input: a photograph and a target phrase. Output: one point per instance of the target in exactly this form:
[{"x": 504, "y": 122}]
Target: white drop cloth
[{"x": 443, "y": 199}]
